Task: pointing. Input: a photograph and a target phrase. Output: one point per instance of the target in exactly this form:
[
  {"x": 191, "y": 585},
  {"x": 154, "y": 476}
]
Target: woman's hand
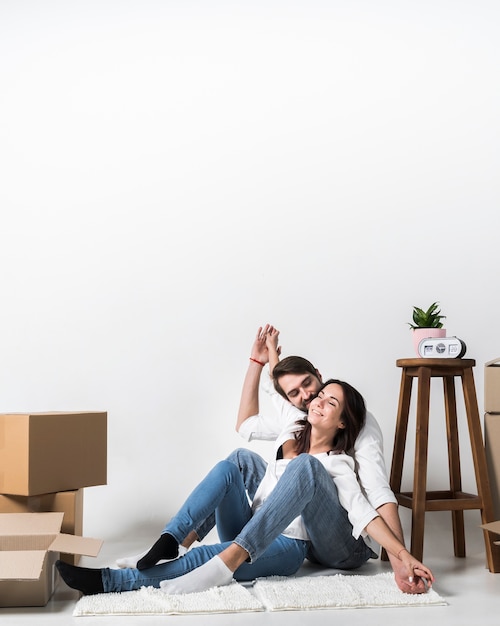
[
  {"x": 411, "y": 575},
  {"x": 415, "y": 571},
  {"x": 417, "y": 585},
  {"x": 273, "y": 348},
  {"x": 272, "y": 338}
]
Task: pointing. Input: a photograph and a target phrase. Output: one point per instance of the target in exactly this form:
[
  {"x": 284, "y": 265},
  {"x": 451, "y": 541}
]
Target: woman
[{"x": 265, "y": 538}]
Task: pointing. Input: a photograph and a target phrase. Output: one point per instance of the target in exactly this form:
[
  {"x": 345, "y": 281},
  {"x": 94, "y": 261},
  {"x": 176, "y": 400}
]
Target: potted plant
[{"x": 426, "y": 324}]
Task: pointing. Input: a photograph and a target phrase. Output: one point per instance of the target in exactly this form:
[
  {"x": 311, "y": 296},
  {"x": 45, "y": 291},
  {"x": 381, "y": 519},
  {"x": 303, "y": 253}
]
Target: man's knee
[
  {"x": 226, "y": 468},
  {"x": 241, "y": 457},
  {"x": 234, "y": 456}
]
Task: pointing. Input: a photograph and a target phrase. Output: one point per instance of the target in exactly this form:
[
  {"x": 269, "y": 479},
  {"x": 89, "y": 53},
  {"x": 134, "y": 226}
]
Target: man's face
[{"x": 300, "y": 389}]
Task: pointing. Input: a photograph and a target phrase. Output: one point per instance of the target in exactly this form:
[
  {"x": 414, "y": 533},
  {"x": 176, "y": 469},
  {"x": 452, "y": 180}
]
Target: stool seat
[{"x": 453, "y": 499}]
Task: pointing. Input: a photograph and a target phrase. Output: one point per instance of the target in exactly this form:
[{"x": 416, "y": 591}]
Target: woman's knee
[
  {"x": 306, "y": 465},
  {"x": 307, "y": 461}
]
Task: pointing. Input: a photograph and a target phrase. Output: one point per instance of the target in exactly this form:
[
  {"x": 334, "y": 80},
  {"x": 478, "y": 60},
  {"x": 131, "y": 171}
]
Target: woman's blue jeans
[{"x": 326, "y": 521}]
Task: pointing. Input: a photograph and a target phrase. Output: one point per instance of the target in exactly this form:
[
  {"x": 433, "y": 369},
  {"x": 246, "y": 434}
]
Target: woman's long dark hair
[{"x": 353, "y": 416}]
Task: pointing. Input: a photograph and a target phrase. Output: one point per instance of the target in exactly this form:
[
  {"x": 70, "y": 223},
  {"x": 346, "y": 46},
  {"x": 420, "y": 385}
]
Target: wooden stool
[{"x": 455, "y": 500}]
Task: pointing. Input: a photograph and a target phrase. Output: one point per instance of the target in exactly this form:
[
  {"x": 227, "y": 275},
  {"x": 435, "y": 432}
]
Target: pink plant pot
[{"x": 425, "y": 333}]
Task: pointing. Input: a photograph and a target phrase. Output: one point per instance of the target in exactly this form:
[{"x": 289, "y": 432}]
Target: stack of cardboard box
[
  {"x": 492, "y": 437},
  {"x": 492, "y": 429},
  {"x": 46, "y": 461}
]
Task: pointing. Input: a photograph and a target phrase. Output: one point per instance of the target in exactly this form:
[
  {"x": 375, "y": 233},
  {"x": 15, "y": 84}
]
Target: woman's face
[{"x": 326, "y": 409}]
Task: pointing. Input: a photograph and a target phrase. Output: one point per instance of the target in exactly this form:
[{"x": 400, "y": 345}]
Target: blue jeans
[
  {"x": 326, "y": 521},
  {"x": 222, "y": 492},
  {"x": 252, "y": 468},
  {"x": 305, "y": 488}
]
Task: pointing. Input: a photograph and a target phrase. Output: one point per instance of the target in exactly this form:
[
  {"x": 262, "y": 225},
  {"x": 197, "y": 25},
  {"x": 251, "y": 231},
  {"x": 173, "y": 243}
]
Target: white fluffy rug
[
  {"x": 151, "y": 601},
  {"x": 267, "y": 594},
  {"x": 338, "y": 592}
]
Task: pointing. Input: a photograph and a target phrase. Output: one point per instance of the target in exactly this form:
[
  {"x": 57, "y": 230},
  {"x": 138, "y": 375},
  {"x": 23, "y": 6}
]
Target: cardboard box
[
  {"x": 70, "y": 503},
  {"x": 492, "y": 451},
  {"x": 492, "y": 386},
  {"x": 50, "y": 452},
  {"x": 30, "y": 544}
]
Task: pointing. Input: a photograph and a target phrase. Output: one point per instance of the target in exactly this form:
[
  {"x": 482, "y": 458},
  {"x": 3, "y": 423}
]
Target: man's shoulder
[
  {"x": 371, "y": 432},
  {"x": 370, "y": 419}
]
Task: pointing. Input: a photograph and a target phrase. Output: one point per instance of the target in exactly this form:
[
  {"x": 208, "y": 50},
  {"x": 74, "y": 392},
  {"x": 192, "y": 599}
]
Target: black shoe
[{"x": 86, "y": 580}]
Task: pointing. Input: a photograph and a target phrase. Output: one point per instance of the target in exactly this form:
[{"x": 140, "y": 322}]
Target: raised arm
[{"x": 259, "y": 356}]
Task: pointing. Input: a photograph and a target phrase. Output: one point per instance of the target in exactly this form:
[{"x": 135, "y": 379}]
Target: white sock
[
  {"x": 213, "y": 573},
  {"x": 131, "y": 561}
]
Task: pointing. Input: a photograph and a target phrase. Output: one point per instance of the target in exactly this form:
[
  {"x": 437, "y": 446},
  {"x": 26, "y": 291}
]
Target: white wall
[{"x": 175, "y": 174}]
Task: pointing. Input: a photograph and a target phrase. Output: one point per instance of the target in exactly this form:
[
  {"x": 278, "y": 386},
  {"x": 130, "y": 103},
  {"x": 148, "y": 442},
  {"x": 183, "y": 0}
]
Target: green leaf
[{"x": 431, "y": 318}]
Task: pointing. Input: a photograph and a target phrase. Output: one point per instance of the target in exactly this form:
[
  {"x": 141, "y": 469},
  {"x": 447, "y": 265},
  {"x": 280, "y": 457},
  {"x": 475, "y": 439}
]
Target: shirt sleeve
[
  {"x": 370, "y": 464},
  {"x": 352, "y": 499},
  {"x": 268, "y": 427}
]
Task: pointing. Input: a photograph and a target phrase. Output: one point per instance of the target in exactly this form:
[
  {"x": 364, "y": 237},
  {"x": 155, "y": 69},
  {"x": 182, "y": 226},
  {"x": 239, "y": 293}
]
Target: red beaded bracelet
[{"x": 256, "y": 361}]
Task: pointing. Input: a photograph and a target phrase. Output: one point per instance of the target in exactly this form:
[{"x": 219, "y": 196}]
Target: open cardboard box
[
  {"x": 68, "y": 502},
  {"x": 30, "y": 544},
  {"x": 50, "y": 452}
]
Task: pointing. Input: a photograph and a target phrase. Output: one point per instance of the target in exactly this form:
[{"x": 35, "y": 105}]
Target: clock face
[{"x": 448, "y": 347}]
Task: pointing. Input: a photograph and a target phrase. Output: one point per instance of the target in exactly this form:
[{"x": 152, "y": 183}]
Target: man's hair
[{"x": 292, "y": 365}]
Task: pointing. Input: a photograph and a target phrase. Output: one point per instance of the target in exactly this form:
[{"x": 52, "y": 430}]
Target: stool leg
[
  {"x": 420, "y": 467},
  {"x": 401, "y": 430},
  {"x": 454, "y": 462},
  {"x": 400, "y": 433},
  {"x": 480, "y": 467}
]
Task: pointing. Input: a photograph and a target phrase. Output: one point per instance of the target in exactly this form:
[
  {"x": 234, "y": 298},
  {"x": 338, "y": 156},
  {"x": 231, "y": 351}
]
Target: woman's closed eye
[{"x": 331, "y": 401}]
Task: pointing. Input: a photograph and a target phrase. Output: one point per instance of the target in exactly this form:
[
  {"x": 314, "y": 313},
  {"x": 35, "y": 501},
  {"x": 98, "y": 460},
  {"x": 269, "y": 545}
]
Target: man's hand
[{"x": 260, "y": 350}]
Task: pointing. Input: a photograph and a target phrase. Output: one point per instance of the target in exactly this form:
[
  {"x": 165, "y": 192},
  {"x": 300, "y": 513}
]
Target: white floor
[{"x": 472, "y": 592}]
